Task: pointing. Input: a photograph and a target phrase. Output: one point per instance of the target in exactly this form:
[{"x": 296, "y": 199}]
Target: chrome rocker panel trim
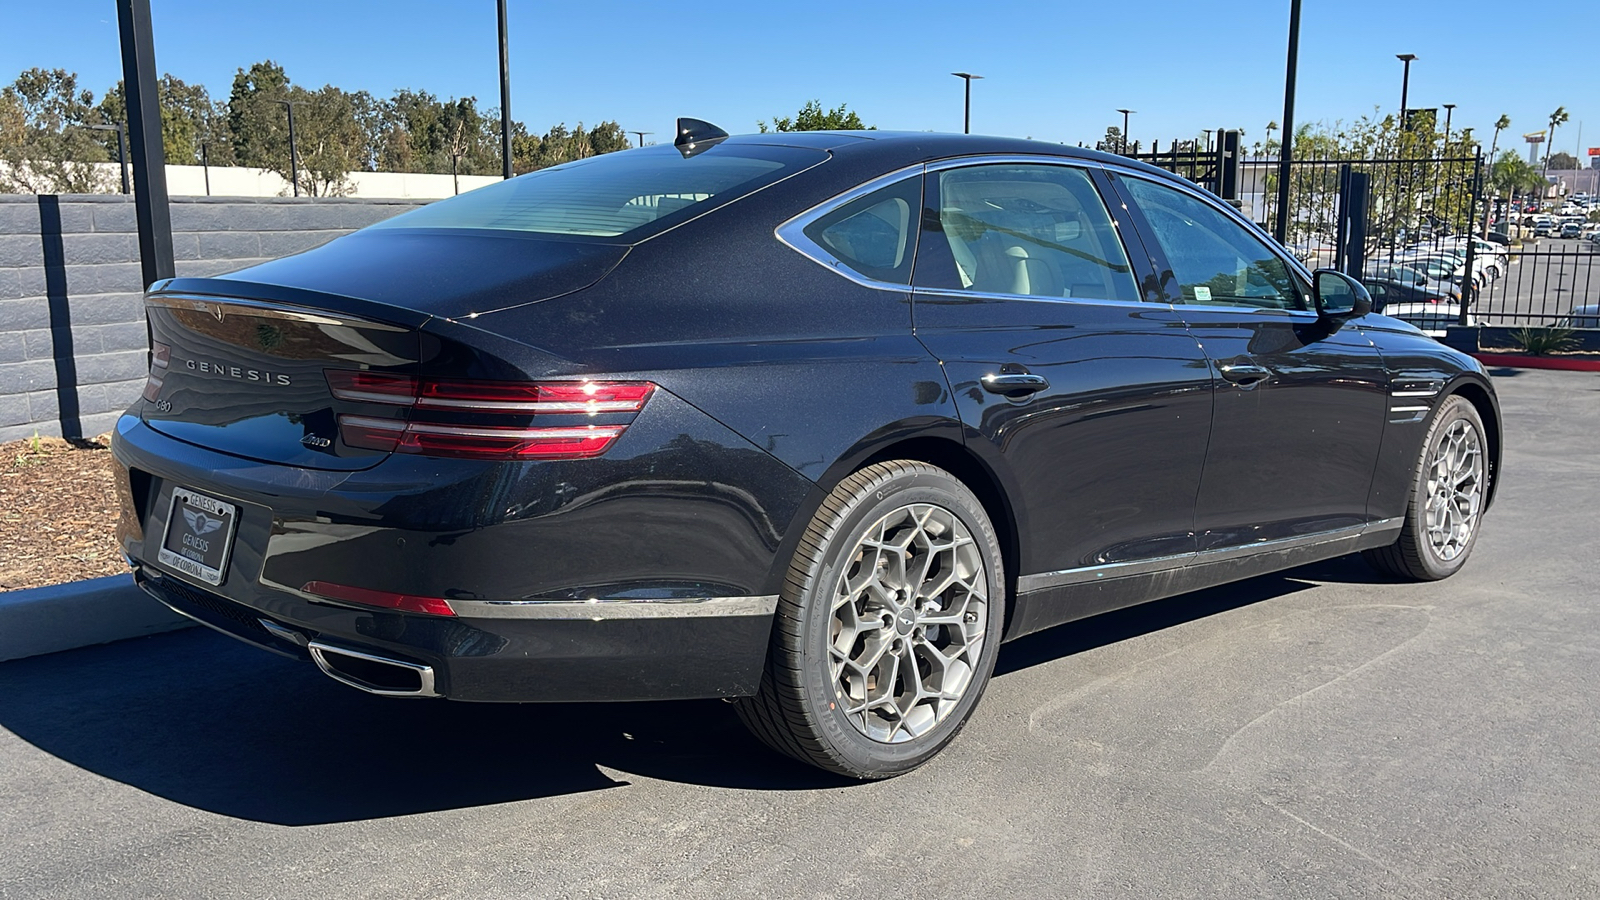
[
  {"x": 1086, "y": 574},
  {"x": 604, "y": 610}
]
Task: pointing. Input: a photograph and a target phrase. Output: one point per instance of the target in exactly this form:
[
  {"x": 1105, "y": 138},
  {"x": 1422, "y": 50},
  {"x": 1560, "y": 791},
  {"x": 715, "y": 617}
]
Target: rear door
[
  {"x": 1096, "y": 403},
  {"x": 1300, "y": 405}
]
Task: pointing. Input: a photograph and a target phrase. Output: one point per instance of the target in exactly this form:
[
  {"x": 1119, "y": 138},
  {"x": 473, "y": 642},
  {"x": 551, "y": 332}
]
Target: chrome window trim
[
  {"x": 964, "y": 294},
  {"x": 1086, "y": 574},
  {"x": 608, "y": 610},
  {"x": 792, "y": 232}
]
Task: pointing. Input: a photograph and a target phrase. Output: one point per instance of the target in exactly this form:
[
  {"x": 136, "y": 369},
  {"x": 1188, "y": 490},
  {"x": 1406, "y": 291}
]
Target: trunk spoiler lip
[
  {"x": 219, "y": 307},
  {"x": 263, "y": 298}
]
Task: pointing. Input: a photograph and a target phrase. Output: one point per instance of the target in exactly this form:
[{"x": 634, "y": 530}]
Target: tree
[
  {"x": 329, "y": 138},
  {"x": 43, "y": 147},
  {"x": 188, "y": 119},
  {"x": 812, "y": 117},
  {"x": 1557, "y": 119},
  {"x": 1112, "y": 142},
  {"x": 1563, "y": 160}
]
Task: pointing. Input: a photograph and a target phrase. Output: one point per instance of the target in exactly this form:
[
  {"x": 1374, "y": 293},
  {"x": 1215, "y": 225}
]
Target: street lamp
[
  {"x": 966, "y": 121},
  {"x": 1125, "y": 114},
  {"x": 294, "y": 157},
  {"x": 641, "y": 135},
  {"x": 1449, "y": 108},
  {"x": 122, "y": 148},
  {"x": 1405, "y": 84}
]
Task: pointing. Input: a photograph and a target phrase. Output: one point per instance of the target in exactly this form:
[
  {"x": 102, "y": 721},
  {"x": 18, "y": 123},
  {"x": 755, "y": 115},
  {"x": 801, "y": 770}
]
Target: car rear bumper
[{"x": 652, "y": 581}]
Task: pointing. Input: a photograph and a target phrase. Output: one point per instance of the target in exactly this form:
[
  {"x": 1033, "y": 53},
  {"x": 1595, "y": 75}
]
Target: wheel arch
[{"x": 942, "y": 447}]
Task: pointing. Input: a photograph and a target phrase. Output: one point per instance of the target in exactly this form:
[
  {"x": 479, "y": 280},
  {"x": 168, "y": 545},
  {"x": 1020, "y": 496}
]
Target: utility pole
[
  {"x": 294, "y": 156},
  {"x": 1405, "y": 85},
  {"x": 505, "y": 96},
  {"x": 1449, "y": 110},
  {"x": 966, "y": 120},
  {"x": 1280, "y": 229},
  {"x": 1125, "y": 114}
]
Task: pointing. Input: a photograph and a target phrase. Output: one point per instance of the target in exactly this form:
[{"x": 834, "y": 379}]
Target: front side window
[
  {"x": 1034, "y": 230},
  {"x": 874, "y": 235},
  {"x": 1215, "y": 260}
]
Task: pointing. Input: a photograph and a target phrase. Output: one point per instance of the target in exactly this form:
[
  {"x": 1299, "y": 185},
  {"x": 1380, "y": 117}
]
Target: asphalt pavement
[{"x": 1317, "y": 733}]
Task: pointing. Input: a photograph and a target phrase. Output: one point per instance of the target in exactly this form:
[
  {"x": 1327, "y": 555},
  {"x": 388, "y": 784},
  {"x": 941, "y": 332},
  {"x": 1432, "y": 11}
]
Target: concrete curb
[{"x": 79, "y": 614}]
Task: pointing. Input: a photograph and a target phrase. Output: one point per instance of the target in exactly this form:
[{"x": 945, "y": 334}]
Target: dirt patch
[{"x": 58, "y": 505}]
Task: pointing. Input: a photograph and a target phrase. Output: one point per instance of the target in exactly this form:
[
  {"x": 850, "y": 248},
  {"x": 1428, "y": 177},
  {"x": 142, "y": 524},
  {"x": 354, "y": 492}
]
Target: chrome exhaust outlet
[{"x": 373, "y": 674}]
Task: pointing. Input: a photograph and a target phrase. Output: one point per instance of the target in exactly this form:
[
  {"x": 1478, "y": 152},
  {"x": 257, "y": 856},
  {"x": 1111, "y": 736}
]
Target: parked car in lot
[
  {"x": 1432, "y": 318},
  {"x": 1587, "y": 316},
  {"x": 1572, "y": 230},
  {"x": 812, "y": 421},
  {"x": 1385, "y": 292}
]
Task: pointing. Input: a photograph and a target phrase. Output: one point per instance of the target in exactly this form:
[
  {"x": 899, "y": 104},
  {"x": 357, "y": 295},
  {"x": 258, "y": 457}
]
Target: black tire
[
  {"x": 800, "y": 709},
  {"x": 1413, "y": 556}
]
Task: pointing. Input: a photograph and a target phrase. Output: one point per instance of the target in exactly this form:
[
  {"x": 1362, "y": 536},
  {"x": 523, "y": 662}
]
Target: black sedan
[{"x": 813, "y": 421}]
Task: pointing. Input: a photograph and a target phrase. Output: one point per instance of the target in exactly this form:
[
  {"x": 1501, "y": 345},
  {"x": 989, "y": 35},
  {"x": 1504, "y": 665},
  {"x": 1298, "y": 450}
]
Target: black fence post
[
  {"x": 144, "y": 129},
  {"x": 1355, "y": 255},
  {"x": 1468, "y": 287},
  {"x": 1341, "y": 220}
]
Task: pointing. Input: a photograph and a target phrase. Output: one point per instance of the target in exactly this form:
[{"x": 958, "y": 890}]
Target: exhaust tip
[{"x": 373, "y": 674}]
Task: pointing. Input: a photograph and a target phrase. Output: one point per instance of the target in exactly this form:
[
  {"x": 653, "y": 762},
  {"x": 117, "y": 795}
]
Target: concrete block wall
[{"x": 72, "y": 329}]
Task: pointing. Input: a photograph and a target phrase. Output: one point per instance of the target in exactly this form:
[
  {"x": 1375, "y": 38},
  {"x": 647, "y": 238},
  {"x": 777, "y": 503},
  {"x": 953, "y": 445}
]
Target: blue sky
[{"x": 1054, "y": 71}]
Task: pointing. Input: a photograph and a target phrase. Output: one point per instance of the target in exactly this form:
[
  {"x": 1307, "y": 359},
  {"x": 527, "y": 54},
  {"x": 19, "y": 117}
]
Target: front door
[{"x": 1300, "y": 403}]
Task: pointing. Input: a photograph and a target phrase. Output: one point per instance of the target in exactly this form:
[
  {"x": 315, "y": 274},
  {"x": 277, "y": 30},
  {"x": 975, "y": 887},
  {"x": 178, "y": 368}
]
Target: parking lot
[
  {"x": 1542, "y": 283},
  {"x": 1314, "y": 733}
]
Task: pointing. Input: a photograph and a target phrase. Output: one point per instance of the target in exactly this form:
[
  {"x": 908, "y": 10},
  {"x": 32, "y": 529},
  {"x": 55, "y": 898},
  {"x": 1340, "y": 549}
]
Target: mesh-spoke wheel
[
  {"x": 1447, "y": 498},
  {"x": 908, "y": 622},
  {"x": 1455, "y": 490},
  {"x": 888, "y": 625}
]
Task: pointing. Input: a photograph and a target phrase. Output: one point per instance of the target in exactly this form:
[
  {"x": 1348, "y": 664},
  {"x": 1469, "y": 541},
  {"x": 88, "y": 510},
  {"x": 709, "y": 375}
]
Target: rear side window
[
  {"x": 874, "y": 235},
  {"x": 630, "y": 194},
  {"x": 1032, "y": 230}
]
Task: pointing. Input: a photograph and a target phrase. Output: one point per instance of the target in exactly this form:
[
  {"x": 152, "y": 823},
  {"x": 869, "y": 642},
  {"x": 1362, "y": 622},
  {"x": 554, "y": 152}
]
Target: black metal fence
[{"x": 1545, "y": 282}]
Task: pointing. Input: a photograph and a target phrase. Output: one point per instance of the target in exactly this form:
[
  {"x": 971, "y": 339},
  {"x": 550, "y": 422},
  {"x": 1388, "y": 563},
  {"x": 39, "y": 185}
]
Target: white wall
[{"x": 237, "y": 181}]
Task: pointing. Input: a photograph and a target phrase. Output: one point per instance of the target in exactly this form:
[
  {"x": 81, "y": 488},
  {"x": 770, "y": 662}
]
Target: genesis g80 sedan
[{"x": 811, "y": 421}]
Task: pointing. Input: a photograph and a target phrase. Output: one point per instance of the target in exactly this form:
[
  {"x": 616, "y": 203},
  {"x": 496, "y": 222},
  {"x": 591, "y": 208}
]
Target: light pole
[
  {"x": 505, "y": 97},
  {"x": 294, "y": 156},
  {"x": 122, "y": 149},
  {"x": 1125, "y": 114},
  {"x": 641, "y": 135},
  {"x": 966, "y": 120},
  {"x": 1405, "y": 84},
  {"x": 1449, "y": 109},
  {"x": 1280, "y": 229}
]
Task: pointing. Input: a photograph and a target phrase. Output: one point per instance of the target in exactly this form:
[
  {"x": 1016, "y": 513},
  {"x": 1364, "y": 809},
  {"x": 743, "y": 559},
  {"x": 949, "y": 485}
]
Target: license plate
[{"x": 199, "y": 535}]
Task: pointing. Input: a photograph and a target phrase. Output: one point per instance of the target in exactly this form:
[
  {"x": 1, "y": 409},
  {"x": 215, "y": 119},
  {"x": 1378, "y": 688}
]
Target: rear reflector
[
  {"x": 433, "y": 606},
  {"x": 437, "y": 406}
]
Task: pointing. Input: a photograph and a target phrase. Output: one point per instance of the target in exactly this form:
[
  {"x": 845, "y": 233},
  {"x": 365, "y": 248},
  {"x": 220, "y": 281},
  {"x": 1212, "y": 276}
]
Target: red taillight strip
[
  {"x": 432, "y": 606},
  {"x": 478, "y": 441},
  {"x": 591, "y": 397}
]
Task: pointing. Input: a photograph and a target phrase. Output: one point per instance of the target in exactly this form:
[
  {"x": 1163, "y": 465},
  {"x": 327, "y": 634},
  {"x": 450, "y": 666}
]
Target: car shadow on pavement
[{"x": 204, "y": 721}]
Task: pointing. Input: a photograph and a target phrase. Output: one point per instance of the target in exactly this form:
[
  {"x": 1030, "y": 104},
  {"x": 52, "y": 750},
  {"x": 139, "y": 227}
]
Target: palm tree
[
  {"x": 1557, "y": 118},
  {"x": 1500, "y": 124}
]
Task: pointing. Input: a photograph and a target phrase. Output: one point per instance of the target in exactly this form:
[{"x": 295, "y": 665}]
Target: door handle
[
  {"x": 1245, "y": 374},
  {"x": 1015, "y": 383}
]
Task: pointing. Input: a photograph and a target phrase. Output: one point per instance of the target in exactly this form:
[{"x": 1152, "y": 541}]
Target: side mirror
[{"x": 1338, "y": 296}]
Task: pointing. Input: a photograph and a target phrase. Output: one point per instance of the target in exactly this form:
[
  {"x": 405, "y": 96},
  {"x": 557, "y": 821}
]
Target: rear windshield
[{"x": 630, "y": 194}]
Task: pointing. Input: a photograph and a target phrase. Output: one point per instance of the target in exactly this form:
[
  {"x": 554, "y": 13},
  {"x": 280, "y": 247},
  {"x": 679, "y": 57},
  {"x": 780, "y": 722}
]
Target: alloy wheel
[
  {"x": 1455, "y": 490},
  {"x": 907, "y": 623}
]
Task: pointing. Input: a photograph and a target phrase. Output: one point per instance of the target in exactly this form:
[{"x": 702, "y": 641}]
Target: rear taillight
[
  {"x": 488, "y": 419},
  {"x": 160, "y": 358}
]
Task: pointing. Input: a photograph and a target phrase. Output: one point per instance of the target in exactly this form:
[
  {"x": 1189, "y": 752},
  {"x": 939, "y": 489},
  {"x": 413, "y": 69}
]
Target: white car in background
[{"x": 1433, "y": 318}]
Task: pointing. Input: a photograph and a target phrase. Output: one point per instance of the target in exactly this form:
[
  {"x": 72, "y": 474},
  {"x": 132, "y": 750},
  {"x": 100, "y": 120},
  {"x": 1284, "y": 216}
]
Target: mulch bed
[{"x": 58, "y": 506}]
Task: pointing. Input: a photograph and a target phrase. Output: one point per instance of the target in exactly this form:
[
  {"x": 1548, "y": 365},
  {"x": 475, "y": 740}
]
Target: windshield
[{"x": 629, "y": 194}]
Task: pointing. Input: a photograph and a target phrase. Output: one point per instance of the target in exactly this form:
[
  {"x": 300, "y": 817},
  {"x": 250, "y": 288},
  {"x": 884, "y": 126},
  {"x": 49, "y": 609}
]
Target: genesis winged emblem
[{"x": 200, "y": 523}]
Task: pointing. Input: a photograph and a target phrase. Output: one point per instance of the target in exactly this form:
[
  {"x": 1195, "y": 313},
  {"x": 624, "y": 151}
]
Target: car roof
[{"x": 897, "y": 149}]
